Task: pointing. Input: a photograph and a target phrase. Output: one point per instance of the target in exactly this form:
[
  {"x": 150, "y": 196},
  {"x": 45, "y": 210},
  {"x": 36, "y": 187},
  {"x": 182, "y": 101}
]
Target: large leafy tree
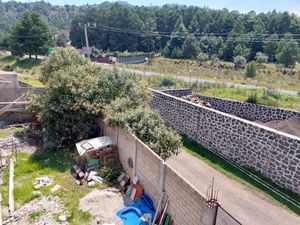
[
  {"x": 270, "y": 46},
  {"x": 132, "y": 112},
  {"x": 76, "y": 94},
  {"x": 287, "y": 51},
  {"x": 31, "y": 35},
  {"x": 190, "y": 48},
  {"x": 174, "y": 45}
]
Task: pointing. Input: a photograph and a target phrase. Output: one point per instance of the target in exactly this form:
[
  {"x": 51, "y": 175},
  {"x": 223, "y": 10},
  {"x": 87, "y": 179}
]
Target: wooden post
[
  {"x": 11, "y": 207},
  {"x": 0, "y": 209}
]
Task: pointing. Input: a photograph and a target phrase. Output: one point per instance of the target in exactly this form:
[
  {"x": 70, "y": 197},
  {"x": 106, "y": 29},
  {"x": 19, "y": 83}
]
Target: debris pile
[
  {"x": 92, "y": 154},
  {"x": 50, "y": 208},
  {"x": 42, "y": 181},
  {"x": 195, "y": 99}
]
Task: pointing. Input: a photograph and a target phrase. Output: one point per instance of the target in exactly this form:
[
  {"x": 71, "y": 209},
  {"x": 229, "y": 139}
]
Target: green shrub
[
  {"x": 8, "y": 67},
  {"x": 261, "y": 57},
  {"x": 252, "y": 98},
  {"x": 111, "y": 171},
  {"x": 167, "y": 82},
  {"x": 239, "y": 61},
  {"x": 251, "y": 69},
  {"x": 202, "y": 57}
]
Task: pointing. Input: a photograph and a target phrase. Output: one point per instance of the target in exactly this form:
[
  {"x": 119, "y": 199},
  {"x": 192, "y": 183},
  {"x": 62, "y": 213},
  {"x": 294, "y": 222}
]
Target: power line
[{"x": 241, "y": 38}]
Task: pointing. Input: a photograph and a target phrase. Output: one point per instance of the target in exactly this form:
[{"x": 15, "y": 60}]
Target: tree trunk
[
  {"x": 29, "y": 56},
  {"x": 35, "y": 55}
]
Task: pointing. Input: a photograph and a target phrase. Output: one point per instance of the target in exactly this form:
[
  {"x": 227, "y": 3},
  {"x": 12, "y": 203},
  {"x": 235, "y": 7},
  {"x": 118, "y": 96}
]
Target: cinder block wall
[
  {"x": 187, "y": 206},
  {"x": 9, "y": 87},
  {"x": 275, "y": 154}
]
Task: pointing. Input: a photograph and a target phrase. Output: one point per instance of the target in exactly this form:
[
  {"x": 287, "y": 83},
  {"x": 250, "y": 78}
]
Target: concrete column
[
  {"x": 135, "y": 156},
  {"x": 118, "y": 136},
  {"x": 162, "y": 177}
]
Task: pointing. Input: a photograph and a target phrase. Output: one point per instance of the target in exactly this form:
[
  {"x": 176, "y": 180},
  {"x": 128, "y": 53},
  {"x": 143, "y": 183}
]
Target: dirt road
[{"x": 248, "y": 206}]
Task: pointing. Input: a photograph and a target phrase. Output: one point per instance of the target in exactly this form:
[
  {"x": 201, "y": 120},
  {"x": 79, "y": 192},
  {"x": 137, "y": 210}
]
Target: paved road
[
  {"x": 199, "y": 80},
  {"x": 248, "y": 206}
]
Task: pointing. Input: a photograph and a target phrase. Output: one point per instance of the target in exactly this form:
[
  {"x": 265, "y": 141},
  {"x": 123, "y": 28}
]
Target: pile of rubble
[
  {"x": 195, "y": 99},
  {"x": 92, "y": 154},
  {"x": 50, "y": 208},
  {"x": 89, "y": 175}
]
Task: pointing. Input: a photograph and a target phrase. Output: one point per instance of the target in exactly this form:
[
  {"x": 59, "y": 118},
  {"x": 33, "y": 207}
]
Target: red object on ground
[{"x": 139, "y": 191}]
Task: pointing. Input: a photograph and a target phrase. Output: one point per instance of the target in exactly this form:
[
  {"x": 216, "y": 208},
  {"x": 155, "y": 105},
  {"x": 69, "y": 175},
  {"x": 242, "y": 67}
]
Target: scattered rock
[
  {"x": 92, "y": 183},
  {"x": 195, "y": 99},
  {"x": 55, "y": 188},
  {"x": 42, "y": 181},
  {"x": 49, "y": 206},
  {"x": 62, "y": 218}
]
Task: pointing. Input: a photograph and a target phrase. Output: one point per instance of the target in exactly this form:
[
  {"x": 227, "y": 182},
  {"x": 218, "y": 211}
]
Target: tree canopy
[
  {"x": 77, "y": 93},
  {"x": 30, "y": 35},
  {"x": 219, "y": 34}
]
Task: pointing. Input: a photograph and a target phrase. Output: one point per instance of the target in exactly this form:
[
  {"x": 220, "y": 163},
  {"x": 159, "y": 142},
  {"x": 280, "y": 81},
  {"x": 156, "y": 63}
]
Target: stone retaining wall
[
  {"x": 273, "y": 153},
  {"x": 244, "y": 110}
]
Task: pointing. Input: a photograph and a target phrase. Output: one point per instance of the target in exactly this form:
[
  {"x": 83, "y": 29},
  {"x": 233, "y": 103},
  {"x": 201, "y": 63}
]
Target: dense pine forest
[{"x": 173, "y": 30}]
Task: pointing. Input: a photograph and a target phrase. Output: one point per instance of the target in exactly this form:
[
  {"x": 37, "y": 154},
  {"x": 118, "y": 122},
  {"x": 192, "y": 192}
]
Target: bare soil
[
  {"x": 291, "y": 126},
  {"x": 103, "y": 205}
]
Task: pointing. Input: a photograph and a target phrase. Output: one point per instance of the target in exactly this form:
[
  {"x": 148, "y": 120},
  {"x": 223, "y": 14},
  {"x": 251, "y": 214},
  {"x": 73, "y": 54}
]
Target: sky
[{"x": 240, "y": 5}]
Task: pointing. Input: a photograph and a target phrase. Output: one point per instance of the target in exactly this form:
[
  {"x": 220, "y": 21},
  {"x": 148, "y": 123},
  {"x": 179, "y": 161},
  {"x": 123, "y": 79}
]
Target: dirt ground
[
  {"x": 291, "y": 126},
  {"x": 103, "y": 205}
]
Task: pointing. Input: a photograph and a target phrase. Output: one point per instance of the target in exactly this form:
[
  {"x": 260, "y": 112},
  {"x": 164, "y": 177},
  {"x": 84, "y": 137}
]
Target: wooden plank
[{"x": 11, "y": 202}]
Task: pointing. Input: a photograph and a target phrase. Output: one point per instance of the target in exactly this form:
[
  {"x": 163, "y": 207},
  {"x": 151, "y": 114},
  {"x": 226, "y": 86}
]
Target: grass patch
[
  {"x": 267, "y": 74},
  {"x": 5, "y": 132},
  {"x": 31, "y": 81},
  {"x": 56, "y": 164},
  {"x": 263, "y": 97},
  {"x": 232, "y": 172},
  {"x": 35, "y": 216},
  {"x": 20, "y": 65}
]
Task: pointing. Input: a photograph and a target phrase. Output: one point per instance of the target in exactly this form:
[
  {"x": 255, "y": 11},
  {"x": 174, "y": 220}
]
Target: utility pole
[
  {"x": 86, "y": 36},
  {"x": 86, "y": 26}
]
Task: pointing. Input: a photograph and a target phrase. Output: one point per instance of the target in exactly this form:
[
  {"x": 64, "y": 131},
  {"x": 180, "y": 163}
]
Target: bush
[
  {"x": 202, "y": 57},
  {"x": 167, "y": 82},
  {"x": 8, "y": 67},
  {"x": 252, "y": 98},
  {"x": 239, "y": 61},
  {"x": 261, "y": 58},
  {"x": 251, "y": 69},
  {"x": 111, "y": 171}
]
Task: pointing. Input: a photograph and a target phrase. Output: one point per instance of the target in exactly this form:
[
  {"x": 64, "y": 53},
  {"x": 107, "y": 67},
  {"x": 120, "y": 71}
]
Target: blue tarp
[{"x": 131, "y": 215}]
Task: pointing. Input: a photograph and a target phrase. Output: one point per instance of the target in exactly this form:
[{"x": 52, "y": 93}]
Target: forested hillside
[
  {"x": 176, "y": 31},
  {"x": 180, "y": 32}
]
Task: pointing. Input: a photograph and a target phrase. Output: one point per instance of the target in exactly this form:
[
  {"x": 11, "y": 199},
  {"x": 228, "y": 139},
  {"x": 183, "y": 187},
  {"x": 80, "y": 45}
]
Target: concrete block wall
[
  {"x": 273, "y": 153},
  {"x": 185, "y": 208},
  {"x": 9, "y": 87},
  {"x": 186, "y": 205}
]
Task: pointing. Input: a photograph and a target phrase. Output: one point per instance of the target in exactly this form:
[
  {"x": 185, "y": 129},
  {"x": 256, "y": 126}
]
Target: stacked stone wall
[{"x": 273, "y": 153}]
